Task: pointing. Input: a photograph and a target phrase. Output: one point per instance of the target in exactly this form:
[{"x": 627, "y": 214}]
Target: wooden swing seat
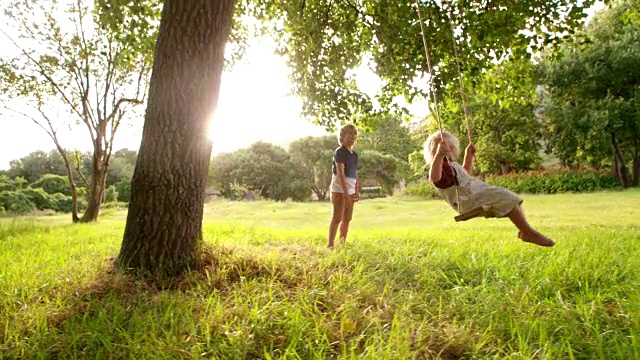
[{"x": 480, "y": 211}]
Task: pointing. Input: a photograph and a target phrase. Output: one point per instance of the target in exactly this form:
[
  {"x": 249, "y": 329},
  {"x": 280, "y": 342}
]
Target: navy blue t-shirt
[{"x": 349, "y": 159}]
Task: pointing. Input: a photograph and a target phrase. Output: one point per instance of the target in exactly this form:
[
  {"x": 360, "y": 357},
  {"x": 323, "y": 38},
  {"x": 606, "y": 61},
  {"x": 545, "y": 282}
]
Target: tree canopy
[{"x": 325, "y": 41}]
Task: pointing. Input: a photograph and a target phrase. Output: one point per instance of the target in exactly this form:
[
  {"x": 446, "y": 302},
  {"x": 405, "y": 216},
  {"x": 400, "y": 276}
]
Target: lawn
[{"x": 410, "y": 284}]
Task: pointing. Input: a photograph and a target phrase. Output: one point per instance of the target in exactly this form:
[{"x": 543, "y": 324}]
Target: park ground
[{"x": 410, "y": 284}]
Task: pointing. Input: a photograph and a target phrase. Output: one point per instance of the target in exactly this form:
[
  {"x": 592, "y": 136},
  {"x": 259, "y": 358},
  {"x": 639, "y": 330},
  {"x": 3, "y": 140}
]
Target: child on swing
[
  {"x": 344, "y": 184},
  {"x": 441, "y": 151}
]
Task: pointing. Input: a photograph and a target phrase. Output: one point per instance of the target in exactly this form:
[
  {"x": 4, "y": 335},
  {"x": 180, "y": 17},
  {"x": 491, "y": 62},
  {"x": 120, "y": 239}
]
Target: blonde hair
[
  {"x": 431, "y": 146},
  {"x": 345, "y": 129}
]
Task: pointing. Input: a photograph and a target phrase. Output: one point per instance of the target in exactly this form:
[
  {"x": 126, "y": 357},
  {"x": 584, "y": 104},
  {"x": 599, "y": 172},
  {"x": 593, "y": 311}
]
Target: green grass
[{"x": 410, "y": 284}]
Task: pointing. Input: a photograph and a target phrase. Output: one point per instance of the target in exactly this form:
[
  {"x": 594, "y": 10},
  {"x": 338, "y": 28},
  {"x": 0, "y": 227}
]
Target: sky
[{"x": 254, "y": 102}]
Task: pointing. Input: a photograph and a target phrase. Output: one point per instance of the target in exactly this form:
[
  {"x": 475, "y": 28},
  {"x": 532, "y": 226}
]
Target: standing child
[
  {"x": 344, "y": 184},
  {"x": 455, "y": 184}
]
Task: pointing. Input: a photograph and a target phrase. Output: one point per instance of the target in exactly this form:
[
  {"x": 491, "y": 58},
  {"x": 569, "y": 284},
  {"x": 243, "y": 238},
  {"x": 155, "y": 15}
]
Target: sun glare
[{"x": 254, "y": 105}]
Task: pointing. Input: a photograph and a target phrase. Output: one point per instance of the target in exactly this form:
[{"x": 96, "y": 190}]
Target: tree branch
[
  {"x": 363, "y": 14},
  {"x": 50, "y": 131},
  {"x": 78, "y": 161},
  {"x": 42, "y": 72}
]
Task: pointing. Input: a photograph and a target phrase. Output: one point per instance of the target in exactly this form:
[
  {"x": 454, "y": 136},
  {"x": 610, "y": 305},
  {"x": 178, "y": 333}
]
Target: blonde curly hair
[
  {"x": 431, "y": 146},
  {"x": 346, "y": 129}
]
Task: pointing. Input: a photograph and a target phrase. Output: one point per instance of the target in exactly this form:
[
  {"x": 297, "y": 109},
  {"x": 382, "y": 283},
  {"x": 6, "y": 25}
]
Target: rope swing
[
  {"x": 459, "y": 68},
  {"x": 477, "y": 210}
]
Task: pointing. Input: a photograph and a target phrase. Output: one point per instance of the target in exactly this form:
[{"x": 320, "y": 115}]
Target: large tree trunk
[
  {"x": 620, "y": 166},
  {"x": 164, "y": 223},
  {"x": 636, "y": 169}
]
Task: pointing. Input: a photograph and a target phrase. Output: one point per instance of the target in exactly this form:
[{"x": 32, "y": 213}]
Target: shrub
[
  {"x": 124, "y": 190},
  {"x": 64, "y": 203},
  {"x": 371, "y": 192},
  {"x": 422, "y": 189},
  {"x": 114, "y": 205},
  {"x": 110, "y": 194},
  {"x": 9, "y": 184},
  {"x": 238, "y": 191},
  {"x": 53, "y": 184},
  {"x": 556, "y": 181},
  {"x": 299, "y": 190},
  {"x": 40, "y": 199},
  {"x": 14, "y": 202}
]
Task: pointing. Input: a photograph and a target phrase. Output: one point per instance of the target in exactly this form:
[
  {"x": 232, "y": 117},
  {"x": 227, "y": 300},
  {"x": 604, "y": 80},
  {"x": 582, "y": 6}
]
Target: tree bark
[
  {"x": 98, "y": 181},
  {"x": 620, "y": 166},
  {"x": 72, "y": 183},
  {"x": 164, "y": 223},
  {"x": 636, "y": 168},
  {"x": 504, "y": 168},
  {"x": 321, "y": 194}
]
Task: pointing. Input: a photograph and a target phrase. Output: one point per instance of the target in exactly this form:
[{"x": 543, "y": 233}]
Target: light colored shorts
[{"x": 336, "y": 186}]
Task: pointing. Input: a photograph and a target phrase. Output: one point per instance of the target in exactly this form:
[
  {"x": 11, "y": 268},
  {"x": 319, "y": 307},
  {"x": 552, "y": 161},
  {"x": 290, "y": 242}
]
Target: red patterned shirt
[{"x": 448, "y": 177}]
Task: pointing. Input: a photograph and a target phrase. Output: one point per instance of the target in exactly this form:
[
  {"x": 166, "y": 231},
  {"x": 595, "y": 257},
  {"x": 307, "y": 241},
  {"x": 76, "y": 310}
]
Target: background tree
[
  {"x": 80, "y": 62},
  {"x": 164, "y": 222},
  {"x": 313, "y": 155},
  {"x": 36, "y": 164},
  {"x": 121, "y": 167},
  {"x": 375, "y": 168},
  {"x": 591, "y": 109},
  {"x": 12, "y": 184},
  {"x": 264, "y": 169},
  {"x": 501, "y": 102},
  {"x": 387, "y": 134},
  {"x": 222, "y": 172}
]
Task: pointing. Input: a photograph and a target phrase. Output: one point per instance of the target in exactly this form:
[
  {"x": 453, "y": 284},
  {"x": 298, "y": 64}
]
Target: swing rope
[
  {"x": 459, "y": 68},
  {"x": 477, "y": 210},
  {"x": 460, "y": 77},
  {"x": 426, "y": 52}
]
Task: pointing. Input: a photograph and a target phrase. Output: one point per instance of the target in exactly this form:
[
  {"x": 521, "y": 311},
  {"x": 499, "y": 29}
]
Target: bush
[
  {"x": 65, "y": 202},
  {"x": 423, "y": 189},
  {"x": 52, "y": 184},
  {"x": 110, "y": 194},
  {"x": 8, "y": 184},
  {"x": 371, "y": 192},
  {"x": 536, "y": 182},
  {"x": 238, "y": 191},
  {"x": 299, "y": 190},
  {"x": 556, "y": 181},
  {"x": 114, "y": 205},
  {"x": 14, "y": 202},
  {"x": 40, "y": 199},
  {"x": 124, "y": 190}
]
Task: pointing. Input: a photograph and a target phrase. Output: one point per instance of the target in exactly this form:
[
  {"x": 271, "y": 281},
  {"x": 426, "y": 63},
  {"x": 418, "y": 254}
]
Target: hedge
[{"x": 537, "y": 182}]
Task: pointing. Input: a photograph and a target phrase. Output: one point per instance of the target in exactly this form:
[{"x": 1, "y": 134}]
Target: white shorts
[{"x": 336, "y": 186}]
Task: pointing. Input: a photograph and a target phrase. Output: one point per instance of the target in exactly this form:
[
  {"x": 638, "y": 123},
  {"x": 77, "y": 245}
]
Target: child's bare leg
[
  {"x": 344, "y": 229},
  {"x": 526, "y": 232},
  {"x": 337, "y": 200},
  {"x": 346, "y": 219},
  {"x": 333, "y": 229}
]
